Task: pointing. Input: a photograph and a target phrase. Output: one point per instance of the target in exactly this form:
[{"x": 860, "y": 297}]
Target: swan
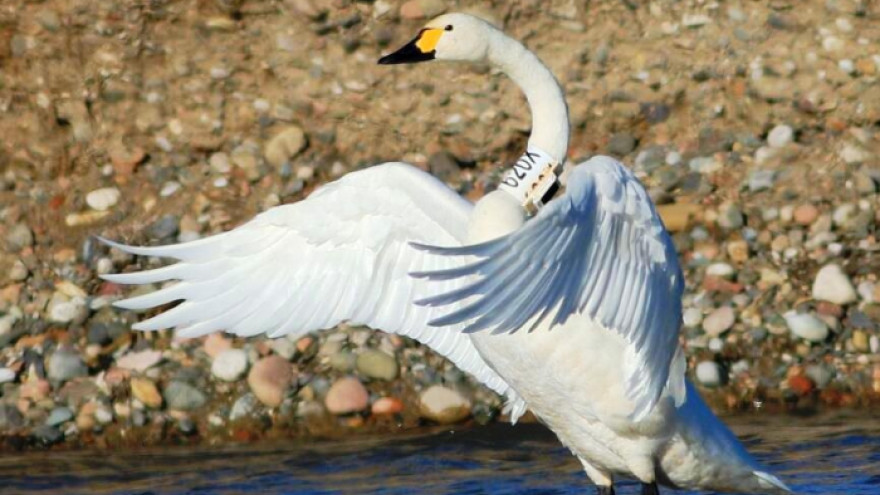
[{"x": 569, "y": 306}]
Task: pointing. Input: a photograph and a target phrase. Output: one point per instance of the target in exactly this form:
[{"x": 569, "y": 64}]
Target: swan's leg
[
  {"x": 602, "y": 479},
  {"x": 650, "y": 489}
]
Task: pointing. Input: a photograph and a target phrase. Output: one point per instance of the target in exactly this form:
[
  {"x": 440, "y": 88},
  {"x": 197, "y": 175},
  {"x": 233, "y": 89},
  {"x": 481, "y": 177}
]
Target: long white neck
[{"x": 550, "y": 128}]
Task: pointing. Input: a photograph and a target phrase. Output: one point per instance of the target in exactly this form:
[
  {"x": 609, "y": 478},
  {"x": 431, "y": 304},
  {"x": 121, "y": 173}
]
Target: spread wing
[
  {"x": 601, "y": 250},
  {"x": 342, "y": 254}
]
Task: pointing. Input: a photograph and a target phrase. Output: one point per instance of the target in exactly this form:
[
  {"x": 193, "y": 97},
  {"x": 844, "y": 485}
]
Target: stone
[
  {"x": 269, "y": 380},
  {"x": 709, "y": 374},
  {"x": 6, "y": 375},
  {"x": 65, "y": 309},
  {"x": 215, "y": 344},
  {"x": 719, "y": 321},
  {"x": 18, "y": 272},
  {"x": 139, "y": 361},
  {"x": 800, "y": 384},
  {"x": 343, "y": 361},
  {"x": 621, "y": 144},
  {"x": 723, "y": 270},
  {"x": 285, "y": 145},
  {"x": 780, "y": 136},
  {"x": 103, "y": 199},
  {"x": 59, "y": 416},
  {"x": 833, "y": 285},
  {"x": 10, "y": 418},
  {"x": 47, "y": 435},
  {"x": 377, "y": 365},
  {"x": 230, "y": 365},
  {"x": 692, "y": 317},
  {"x": 346, "y": 395},
  {"x": 730, "y": 216},
  {"x": 19, "y": 237},
  {"x": 806, "y": 326},
  {"x": 805, "y": 214},
  {"x": 65, "y": 364},
  {"x": 443, "y": 164},
  {"x": 145, "y": 391},
  {"x": 422, "y": 9},
  {"x": 387, "y": 405},
  {"x": 760, "y": 180},
  {"x": 820, "y": 375},
  {"x": 853, "y": 155},
  {"x": 860, "y": 341},
  {"x": 183, "y": 396},
  {"x": 443, "y": 405},
  {"x": 243, "y": 407}
]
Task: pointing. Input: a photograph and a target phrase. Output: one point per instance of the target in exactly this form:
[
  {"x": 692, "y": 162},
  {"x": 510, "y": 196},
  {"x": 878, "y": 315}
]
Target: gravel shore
[{"x": 755, "y": 127}]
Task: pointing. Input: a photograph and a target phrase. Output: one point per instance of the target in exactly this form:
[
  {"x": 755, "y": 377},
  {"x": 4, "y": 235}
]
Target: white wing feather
[
  {"x": 601, "y": 250},
  {"x": 342, "y": 254}
]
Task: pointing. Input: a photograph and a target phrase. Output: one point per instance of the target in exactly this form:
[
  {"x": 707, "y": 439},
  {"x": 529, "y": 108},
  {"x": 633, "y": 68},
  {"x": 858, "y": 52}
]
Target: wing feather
[
  {"x": 599, "y": 250},
  {"x": 343, "y": 254}
]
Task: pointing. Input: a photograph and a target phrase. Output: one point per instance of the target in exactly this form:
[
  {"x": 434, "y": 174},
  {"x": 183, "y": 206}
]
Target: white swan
[{"x": 573, "y": 313}]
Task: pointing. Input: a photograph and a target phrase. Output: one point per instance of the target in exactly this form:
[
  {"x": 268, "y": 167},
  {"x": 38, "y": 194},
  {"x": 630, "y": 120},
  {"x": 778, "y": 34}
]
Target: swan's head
[{"x": 458, "y": 37}]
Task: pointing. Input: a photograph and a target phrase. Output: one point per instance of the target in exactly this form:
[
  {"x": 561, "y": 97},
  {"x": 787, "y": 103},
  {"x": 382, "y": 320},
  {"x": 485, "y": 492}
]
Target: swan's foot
[
  {"x": 650, "y": 489},
  {"x": 605, "y": 490}
]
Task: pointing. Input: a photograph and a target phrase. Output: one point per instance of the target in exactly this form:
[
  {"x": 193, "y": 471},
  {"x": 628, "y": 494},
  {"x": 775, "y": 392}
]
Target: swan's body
[{"x": 573, "y": 313}]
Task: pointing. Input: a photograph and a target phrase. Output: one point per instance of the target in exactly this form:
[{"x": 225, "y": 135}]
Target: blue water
[{"x": 829, "y": 455}]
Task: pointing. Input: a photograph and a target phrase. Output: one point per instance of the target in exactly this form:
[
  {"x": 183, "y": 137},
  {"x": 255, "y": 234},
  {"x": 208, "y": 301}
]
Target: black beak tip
[{"x": 386, "y": 60}]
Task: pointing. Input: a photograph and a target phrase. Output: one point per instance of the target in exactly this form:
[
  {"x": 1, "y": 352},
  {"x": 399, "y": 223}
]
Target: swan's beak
[{"x": 420, "y": 49}]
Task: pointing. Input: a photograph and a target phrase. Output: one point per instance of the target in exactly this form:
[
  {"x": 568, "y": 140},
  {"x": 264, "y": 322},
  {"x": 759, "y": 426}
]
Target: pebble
[
  {"x": 183, "y": 396},
  {"x": 65, "y": 364},
  {"x": 719, "y": 321},
  {"x": 761, "y": 180},
  {"x": 244, "y": 407},
  {"x": 805, "y": 214},
  {"x": 103, "y": 199},
  {"x": 47, "y": 435},
  {"x": 139, "y": 361},
  {"x": 18, "y": 272},
  {"x": 833, "y": 285},
  {"x": 58, "y": 416},
  {"x": 723, "y": 270},
  {"x": 10, "y": 418},
  {"x": 387, "y": 405},
  {"x": 346, "y": 395},
  {"x": 443, "y": 405},
  {"x": 285, "y": 145},
  {"x": 820, "y": 375},
  {"x": 621, "y": 144},
  {"x": 230, "y": 365},
  {"x": 215, "y": 344},
  {"x": 145, "y": 391},
  {"x": 806, "y": 326},
  {"x": 853, "y": 155},
  {"x": 6, "y": 375},
  {"x": 377, "y": 365},
  {"x": 780, "y": 136},
  {"x": 19, "y": 237},
  {"x": 269, "y": 380},
  {"x": 730, "y": 216},
  {"x": 692, "y": 317},
  {"x": 709, "y": 373},
  {"x": 422, "y": 9}
]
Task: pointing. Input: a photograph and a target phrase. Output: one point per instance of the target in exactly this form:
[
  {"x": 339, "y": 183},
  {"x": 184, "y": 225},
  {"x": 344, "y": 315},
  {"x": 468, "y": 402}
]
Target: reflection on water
[{"x": 839, "y": 455}]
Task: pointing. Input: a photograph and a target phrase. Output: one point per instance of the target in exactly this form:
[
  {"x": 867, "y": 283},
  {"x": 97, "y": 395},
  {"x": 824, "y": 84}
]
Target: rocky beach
[{"x": 755, "y": 127}]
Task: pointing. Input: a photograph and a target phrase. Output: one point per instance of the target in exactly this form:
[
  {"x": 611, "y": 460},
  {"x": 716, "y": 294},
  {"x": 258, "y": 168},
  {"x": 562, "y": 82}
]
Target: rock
[
  {"x": 780, "y": 136},
  {"x": 709, "y": 373},
  {"x": 346, "y": 395},
  {"x": 103, "y": 199},
  {"x": 853, "y": 155},
  {"x": 10, "y": 418},
  {"x": 719, "y": 321},
  {"x": 444, "y": 165},
  {"x": 387, "y": 405},
  {"x": 343, "y": 361},
  {"x": 860, "y": 341},
  {"x": 139, "y": 361},
  {"x": 760, "y": 180},
  {"x": 422, "y": 9},
  {"x": 692, "y": 317},
  {"x": 164, "y": 228},
  {"x": 6, "y": 375},
  {"x": 18, "y": 272},
  {"x": 805, "y": 214},
  {"x": 215, "y": 344},
  {"x": 723, "y": 270},
  {"x": 820, "y": 375},
  {"x": 58, "y": 416},
  {"x": 806, "y": 326},
  {"x": 65, "y": 309},
  {"x": 443, "y": 405},
  {"x": 730, "y": 216},
  {"x": 183, "y": 396},
  {"x": 800, "y": 385},
  {"x": 285, "y": 145},
  {"x": 621, "y": 144},
  {"x": 833, "y": 285},
  {"x": 19, "y": 237},
  {"x": 145, "y": 391},
  {"x": 65, "y": 364},
  {"x": 230, "y": 365},
  {"x": 47, "y": 435},
  {"x": 244, "y": 407},
  {"x": 269, "y": 380},
  {"x": 377, "y": 365}
]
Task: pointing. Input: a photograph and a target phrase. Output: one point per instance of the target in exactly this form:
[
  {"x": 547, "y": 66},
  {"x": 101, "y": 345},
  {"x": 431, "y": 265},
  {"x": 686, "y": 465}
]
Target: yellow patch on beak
[{"x": 428, "y": 40}]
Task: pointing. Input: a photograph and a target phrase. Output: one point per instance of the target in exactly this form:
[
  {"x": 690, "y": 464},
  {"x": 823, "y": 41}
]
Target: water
[{"x": 828, "y": 455}]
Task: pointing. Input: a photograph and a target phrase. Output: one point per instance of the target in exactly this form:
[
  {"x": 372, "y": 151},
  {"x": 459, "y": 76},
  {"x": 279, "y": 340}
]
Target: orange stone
[
  {"x": 387, "y": 405},
  {"x": 801, "y": 385}
]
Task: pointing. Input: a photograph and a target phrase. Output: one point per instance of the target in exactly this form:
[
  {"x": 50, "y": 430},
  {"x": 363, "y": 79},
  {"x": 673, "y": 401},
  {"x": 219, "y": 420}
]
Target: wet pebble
[
  {"x": 58, "y": 416},
  {"x": 833, "y": 285},
  {"x": 230, "y": 365},
  {"x": 139, "y": 361},
  {"x": 346, "y": 395},
  {"x": 709, "y": 373},
  {"x": 806, "y": 326},
  {"x": 103, "y": 199},
  {"x": 243, "y": 407},
  {"x": 621, "y": 144},
  {"x": 377, "y": 365},
  {"x": 6, "y": 375},
  {"x": 183, "y": 396},
  {"x": 269, "y": 380},
  {"x": 65, "y": 364},
  {"x": 145, "y": 391},
  {"x": 443, "y": 405},
  {"x": 719, "y": 321}
]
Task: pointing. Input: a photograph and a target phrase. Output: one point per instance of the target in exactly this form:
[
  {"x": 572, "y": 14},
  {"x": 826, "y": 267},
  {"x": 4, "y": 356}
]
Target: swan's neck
[{"x": 550, "y": 129}]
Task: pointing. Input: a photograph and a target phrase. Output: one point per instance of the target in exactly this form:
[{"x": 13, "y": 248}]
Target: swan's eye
[{"x": 448, "y": 27}]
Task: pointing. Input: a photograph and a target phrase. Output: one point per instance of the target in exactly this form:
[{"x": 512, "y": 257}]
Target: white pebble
[
  {"x": 806, "y": 326},
  {"x": 847, "y": 65},
  {"x": 104, "y": 266},
  {"x": 833, "y": 285},
  {"x": 169, "y": 188},
  {"x": 6, "y": 375},
  {"x": 780, "y": 136},
  {"x": 230, "y": 365},
  {"x": 723, "y": 270},
  {"x": 709, "y": 373},
  {"x": 103, "y": 199},
  {"x": 692, "y": 317},
  {"x": 866, "y": 291}
]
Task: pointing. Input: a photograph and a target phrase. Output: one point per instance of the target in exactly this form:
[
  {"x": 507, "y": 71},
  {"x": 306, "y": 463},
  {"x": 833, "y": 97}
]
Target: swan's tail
[{"x": 770, "y": 482}]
